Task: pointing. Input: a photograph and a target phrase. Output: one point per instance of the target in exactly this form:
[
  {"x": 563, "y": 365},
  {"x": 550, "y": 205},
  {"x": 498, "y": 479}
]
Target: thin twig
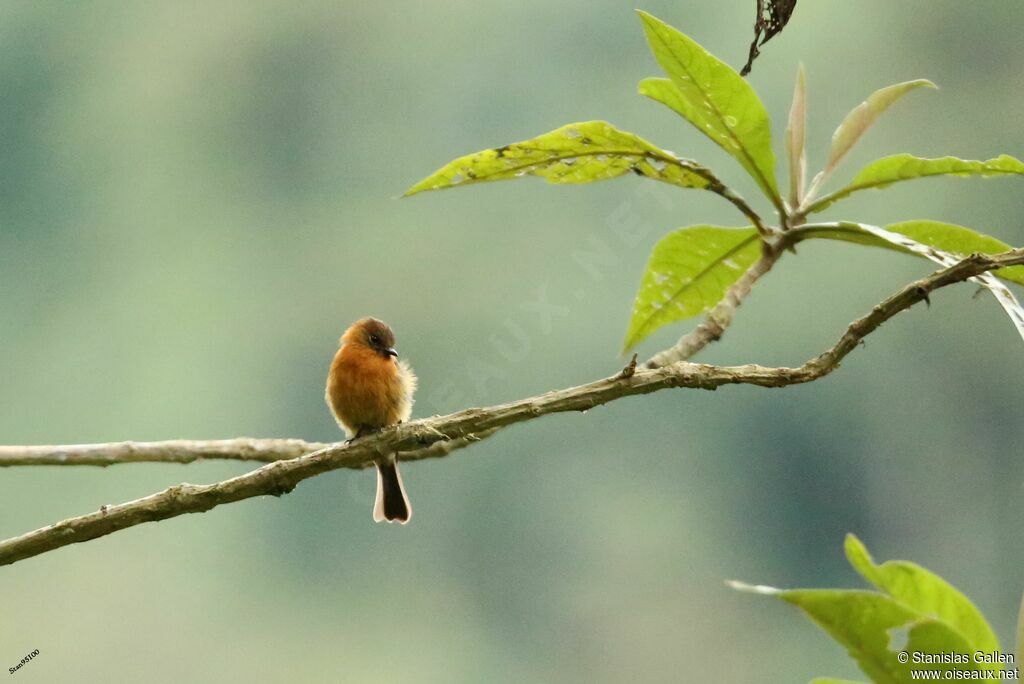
[
  {"x": 720, "y": 317},
  {"x": 439, "y": 435}
]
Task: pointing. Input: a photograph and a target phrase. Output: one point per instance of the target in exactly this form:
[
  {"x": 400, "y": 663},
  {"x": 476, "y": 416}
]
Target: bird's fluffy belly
[{"x": 367, "y": 392}]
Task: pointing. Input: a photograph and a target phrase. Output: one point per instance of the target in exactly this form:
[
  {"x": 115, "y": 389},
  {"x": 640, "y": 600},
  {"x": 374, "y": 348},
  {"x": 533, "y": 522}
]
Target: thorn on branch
[
  {"x": 923, "y": 294},
  {"x": 628, "y": 371}
]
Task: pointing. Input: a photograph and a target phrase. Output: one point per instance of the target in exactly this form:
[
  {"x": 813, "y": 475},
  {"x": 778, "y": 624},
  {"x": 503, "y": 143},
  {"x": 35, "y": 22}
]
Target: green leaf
[
  {"x": 862, "y": 622},
  {"x": 905, "y": 242},
  {"x": 689, "y": 271},
  {"x": 858, "y": 121},
  {"x": 866, "y": 622},
  {"x": 948, "y": 237},
  {"x": 917, "y": 613},
  {"x": 926, "y": 593},
  {"x": 960, "y": 241},
  {"x": 796, "y": 140},
  {"x": 713, "y": 97},
  {"x": 576, "y": 153},
  {"x": 830, "y": 680},
  {"x": 1020, "y": 630},
  {"x": 902, "y": 167},
  {"x": 935, "y": 636}
]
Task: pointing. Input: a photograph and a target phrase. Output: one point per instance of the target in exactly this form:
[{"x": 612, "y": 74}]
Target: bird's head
[{"x": 374, "y": 334}]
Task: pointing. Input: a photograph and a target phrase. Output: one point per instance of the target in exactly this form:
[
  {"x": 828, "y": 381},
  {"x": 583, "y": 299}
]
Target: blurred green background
[{"x": 196, "y": 198}]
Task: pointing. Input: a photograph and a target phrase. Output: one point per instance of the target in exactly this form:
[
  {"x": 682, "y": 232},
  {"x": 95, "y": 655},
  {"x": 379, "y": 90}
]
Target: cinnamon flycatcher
[{"x": 368, "y": 388}]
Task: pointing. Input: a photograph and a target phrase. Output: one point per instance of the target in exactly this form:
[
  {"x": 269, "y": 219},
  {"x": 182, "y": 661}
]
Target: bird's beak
[{"x": 390, "y": 351}]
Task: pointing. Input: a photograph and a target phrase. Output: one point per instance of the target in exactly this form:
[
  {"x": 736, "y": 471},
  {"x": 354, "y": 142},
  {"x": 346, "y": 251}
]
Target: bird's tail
[{"x": 392, "y": 504}]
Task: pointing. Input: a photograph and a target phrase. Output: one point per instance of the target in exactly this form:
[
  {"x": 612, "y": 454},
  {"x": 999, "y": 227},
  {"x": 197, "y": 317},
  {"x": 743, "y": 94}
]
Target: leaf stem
[
  {"x": 730, "y": 195},
  {"x": 716, "y": 186}
]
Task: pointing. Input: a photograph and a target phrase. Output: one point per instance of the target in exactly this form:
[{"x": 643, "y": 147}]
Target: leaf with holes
[
  {"x": 915, "y": 611},
  {"x": 902, "y": 167},
  {"x": 576, "y": 153},
  {"x": 925, "y": 592},
  {"x": 689, "y": 271},
  {"x": 713, "y": 97},
  {"x": 770, "y": 22},
  {"x": 866, "y": 623}
]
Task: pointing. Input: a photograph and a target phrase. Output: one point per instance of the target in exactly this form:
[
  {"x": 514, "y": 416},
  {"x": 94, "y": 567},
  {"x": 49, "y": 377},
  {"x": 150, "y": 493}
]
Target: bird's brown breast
[{"x": 366, "y": 390}]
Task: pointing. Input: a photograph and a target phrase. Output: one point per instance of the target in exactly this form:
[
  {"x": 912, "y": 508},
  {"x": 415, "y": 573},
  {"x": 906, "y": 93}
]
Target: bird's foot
[{"x": 362, "y": 432}]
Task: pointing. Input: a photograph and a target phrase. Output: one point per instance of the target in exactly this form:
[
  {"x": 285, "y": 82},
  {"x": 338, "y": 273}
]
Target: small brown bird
[{"x": 368, "y": 388}]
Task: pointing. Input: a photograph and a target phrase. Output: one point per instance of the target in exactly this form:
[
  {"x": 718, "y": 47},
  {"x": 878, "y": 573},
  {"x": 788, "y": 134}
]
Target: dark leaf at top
[{"x": 771, "y": 19}]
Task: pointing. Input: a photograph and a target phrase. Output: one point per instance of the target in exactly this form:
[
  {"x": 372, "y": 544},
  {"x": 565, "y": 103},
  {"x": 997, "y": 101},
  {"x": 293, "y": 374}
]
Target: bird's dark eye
[{"x": 374, "y": 339}]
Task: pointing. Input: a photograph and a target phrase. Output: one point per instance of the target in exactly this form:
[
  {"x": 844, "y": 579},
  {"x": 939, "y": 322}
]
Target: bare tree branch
[
  {"x": 439, "y": 435},
  {"x": 188, "y": 498},
  {"x": 175, "y": 451}
]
